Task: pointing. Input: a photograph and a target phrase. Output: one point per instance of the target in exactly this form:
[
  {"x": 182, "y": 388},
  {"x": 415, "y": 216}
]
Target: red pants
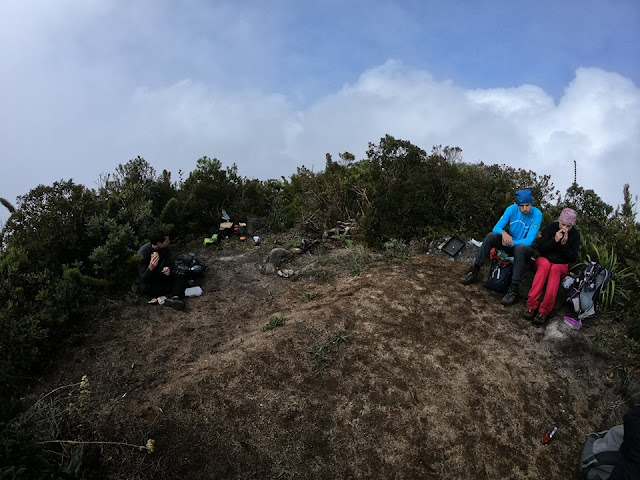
[{"x": 552, "y": 274}]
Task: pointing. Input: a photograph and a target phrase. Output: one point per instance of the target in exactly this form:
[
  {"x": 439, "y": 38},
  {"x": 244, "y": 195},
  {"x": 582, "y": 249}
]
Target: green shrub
[
  {"x": 354, "y": 257},
  {"x": 50, "y": 225},
  {"x": 134, "y": 194},
  {"x": 395, "y": 248},
  {"x": 21, "y": 457},
  {"x": 358, "y": 258},
  {"x": 276, "y": 321},
  {"x": 172, "y": 213},
  {"x": 114, "y": 260},
  {"x": 209, "y": 189}
]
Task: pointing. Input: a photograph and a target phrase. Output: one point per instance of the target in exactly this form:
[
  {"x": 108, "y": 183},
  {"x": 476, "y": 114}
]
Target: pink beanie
[{"x": 569, "y": 216}]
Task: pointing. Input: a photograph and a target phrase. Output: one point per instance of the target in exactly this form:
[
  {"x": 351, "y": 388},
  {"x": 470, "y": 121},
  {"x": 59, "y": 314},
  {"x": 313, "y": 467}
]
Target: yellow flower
[
  {"x": 85, "y": 394},
  {"x": 151, "y": 445}
]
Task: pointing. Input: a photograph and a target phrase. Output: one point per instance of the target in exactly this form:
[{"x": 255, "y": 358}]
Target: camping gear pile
[
  {"x": 189, "y": 265},
  {"x": 227, "y": 229}
]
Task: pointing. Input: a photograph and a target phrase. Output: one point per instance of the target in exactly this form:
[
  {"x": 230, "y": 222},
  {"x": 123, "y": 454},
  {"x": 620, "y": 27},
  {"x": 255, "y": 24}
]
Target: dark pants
[
  {"x": 520, "y": 254},
  {"x": 168, "y": 285}
]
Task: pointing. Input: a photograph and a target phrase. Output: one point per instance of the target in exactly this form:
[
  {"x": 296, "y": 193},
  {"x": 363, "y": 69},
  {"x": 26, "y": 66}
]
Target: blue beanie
[{"x": 523, "y": 196}]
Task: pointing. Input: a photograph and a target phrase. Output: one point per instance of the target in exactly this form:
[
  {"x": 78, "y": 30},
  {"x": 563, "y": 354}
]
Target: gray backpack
[
  {"x": 600, "y": 453},
  {"x": 584, "y": 294}
]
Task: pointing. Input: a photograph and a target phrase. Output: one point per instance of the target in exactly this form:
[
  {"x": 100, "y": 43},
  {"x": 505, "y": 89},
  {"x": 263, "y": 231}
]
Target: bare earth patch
[{"x": 400, "y": 372}]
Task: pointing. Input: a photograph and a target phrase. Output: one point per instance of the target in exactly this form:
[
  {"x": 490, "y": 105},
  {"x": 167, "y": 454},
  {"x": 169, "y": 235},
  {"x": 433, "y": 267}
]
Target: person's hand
[
  {"x": 166, "y": 270},
  {"x": 565, "y": 237},
  {"x": 507, "y": 240},
  {"x": 561, "y": 236},
  {"x": 155, "y": 258}
]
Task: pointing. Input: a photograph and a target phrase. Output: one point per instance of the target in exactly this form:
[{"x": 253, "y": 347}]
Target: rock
[
  {"x": 278, "y": 256},
  {"x": 288, "y": 273}
]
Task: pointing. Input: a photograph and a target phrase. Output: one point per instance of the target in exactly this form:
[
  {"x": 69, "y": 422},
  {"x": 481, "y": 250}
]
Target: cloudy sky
[{"x": 86, "y": 85}]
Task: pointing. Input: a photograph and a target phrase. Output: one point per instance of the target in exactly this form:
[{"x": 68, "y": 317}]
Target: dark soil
[{"x": 398, "y": 372}]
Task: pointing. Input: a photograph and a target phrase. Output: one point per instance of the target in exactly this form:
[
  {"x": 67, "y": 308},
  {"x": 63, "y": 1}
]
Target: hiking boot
[
  {"x": 175, "y": 302},
  {"x": 541, "y": 319},
  {"x": 529, "y": 313},
  {"x": 511, "y": 296},
  {"x": 469, "y": 277}
]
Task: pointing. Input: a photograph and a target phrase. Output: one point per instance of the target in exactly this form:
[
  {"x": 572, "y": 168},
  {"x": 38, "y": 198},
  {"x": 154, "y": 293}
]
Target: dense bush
[
  {"x": 208, "y": 190},
  {"x": 316, "y": 201},
  {"x": 50, "y": 224},
  {"x": 411, "y": 194}
]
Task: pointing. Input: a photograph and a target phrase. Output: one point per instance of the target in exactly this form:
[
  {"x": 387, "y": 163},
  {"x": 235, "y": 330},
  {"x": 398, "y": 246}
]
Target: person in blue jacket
[{"x": 514, "y": 233}]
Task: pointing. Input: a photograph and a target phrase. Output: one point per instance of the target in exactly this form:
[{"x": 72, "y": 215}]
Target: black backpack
[
  {"x": 585, "y": 292},
  {"x": 189, "y": 265},
  {"x": 500, "y": 273}
]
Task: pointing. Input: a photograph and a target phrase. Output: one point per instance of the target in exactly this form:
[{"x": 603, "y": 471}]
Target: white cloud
[
  {"x": 596, "y": 122},
  {"x": 173, "y": 127}
]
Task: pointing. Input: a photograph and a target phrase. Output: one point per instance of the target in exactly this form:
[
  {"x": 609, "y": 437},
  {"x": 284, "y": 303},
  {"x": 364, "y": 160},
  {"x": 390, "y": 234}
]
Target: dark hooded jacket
[{"x": 556, "y": 252}]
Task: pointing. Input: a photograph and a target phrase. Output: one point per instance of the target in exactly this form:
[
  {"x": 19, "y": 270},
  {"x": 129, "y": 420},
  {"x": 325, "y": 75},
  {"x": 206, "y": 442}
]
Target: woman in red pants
[{"x": 558, "y": 247}]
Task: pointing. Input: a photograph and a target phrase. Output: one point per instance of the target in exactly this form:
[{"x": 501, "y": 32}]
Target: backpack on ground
[
  {"x": 585, "y": 293},
  {"x": 500, "y": 273},
  {"x": 189, "y": 265},
  {"x": 600, "y": 453}
]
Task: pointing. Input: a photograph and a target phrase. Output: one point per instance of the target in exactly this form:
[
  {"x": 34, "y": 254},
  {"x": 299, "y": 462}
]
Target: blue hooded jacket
[{"x": 522, "y": 228}]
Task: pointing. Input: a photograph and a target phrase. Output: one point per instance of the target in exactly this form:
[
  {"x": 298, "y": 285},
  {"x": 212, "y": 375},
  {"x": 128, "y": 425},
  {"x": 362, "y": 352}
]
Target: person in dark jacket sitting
[
  {"x": 155, "y": 271},
  {"x": 558, "y": 247}
]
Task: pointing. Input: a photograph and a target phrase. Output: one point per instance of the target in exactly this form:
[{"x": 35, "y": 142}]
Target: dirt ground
[{"x": 398, "y": 372}]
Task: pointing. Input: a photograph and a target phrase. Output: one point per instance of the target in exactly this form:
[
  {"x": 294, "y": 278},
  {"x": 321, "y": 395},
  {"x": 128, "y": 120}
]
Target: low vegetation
[
  {"x": 322, "y": 354},
  {"x": 274, "y": 322}
]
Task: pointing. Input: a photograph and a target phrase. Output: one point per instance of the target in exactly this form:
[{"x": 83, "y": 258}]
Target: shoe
[
  {"x": 541, "y": 319},
  {"x": 469, "y": 277},
  {"x": 529, "y": 313},
  {"x": 175, "y": 302},
  {"x": 511, "y": 296}
]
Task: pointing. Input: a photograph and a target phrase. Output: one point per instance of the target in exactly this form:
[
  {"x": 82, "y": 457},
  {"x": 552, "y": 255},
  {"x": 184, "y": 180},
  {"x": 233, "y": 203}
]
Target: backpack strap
[
  {"x": 500, "y": 256},
  {"x": 602, "y": 280},
  {"x": 592, "y": 281}
]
